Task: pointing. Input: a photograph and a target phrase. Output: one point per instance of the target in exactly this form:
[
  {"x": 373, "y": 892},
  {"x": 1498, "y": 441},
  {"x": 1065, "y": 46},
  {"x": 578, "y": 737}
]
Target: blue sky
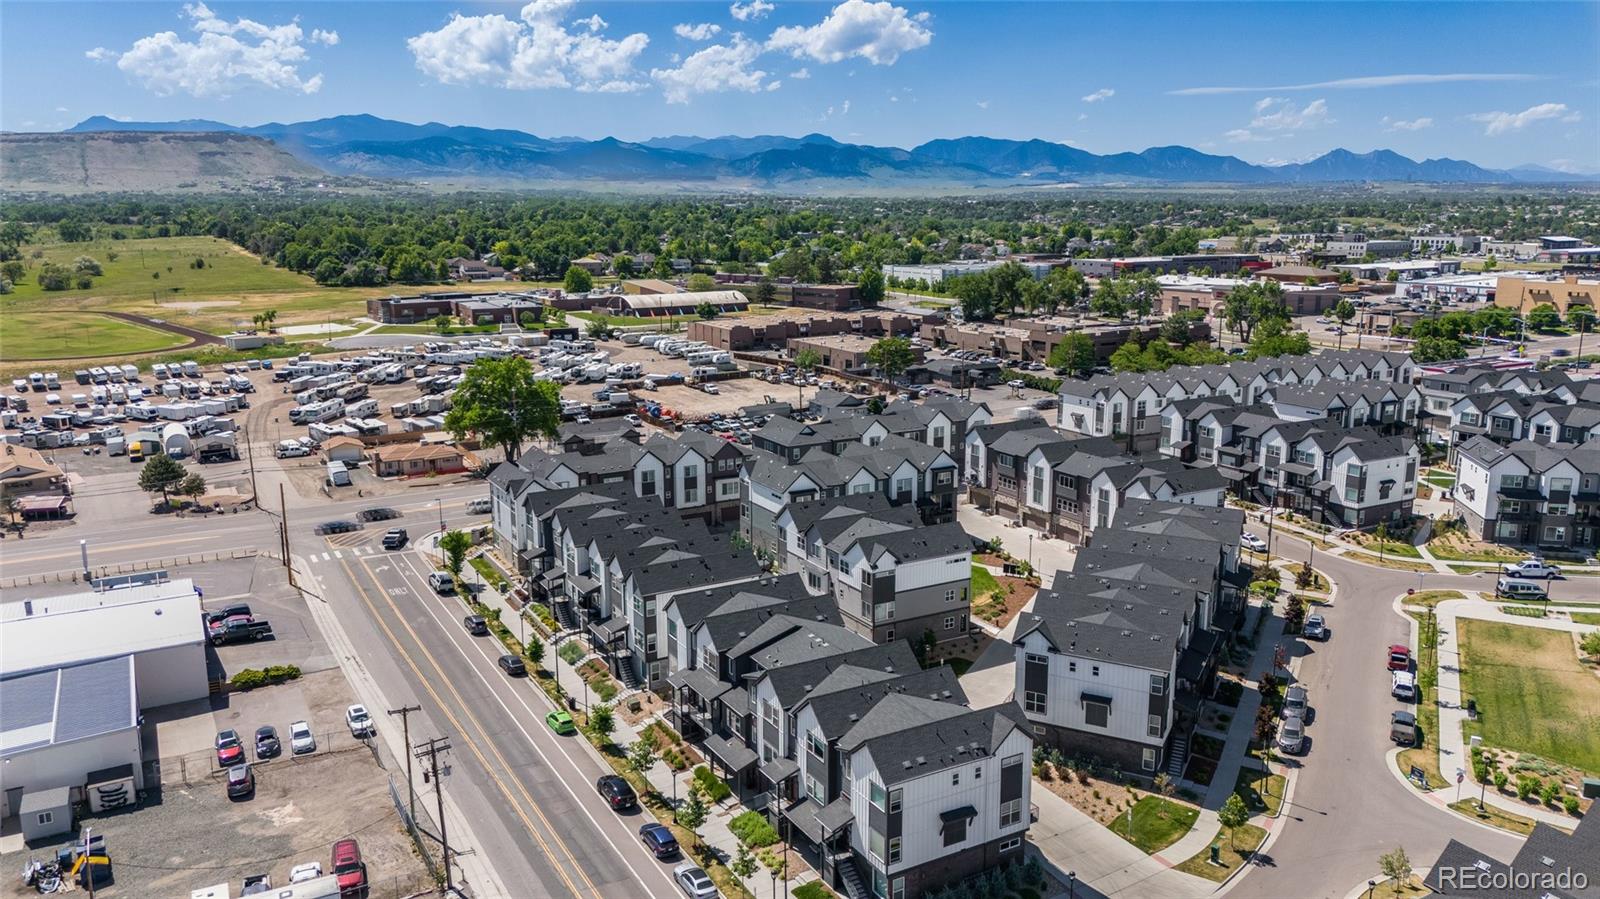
[{"x": 1267, "y": 82}]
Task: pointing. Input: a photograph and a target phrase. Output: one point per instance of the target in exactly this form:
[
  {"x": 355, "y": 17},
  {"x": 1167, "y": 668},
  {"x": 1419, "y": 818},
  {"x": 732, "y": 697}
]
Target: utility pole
[
  {"x": 88, "y": 862},
  {"x": 432, "y": 748},
  {"x": 405, "y": 728},
  {"x": 250, "y": 454},
  {"x": 283, "y": 532}
]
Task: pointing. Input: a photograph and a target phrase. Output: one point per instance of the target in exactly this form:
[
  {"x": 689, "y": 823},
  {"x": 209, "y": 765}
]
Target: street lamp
[
  {"x": 1371, "y": 885},
  {"x": 440, "y": 504},
  {"x": 1072, "y": 885}
]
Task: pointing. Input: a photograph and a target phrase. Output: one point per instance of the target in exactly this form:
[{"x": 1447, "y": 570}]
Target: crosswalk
[{"x": 335, "y": 555}]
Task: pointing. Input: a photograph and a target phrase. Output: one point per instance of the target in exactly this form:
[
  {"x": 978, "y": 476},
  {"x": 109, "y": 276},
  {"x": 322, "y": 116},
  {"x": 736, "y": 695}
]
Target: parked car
[
  {"x": 694, "y": 881},
  {"x": 659, "y": 840},
  {"x": 348, "y": 867},
  {"x": 480, "y": 506},
  {"x": 442, "y": 583},
  {"x": 1512, "y": 588},
  {"x": 1532, "y": 568},
  {"x": 1399, "y": 657},
  {"x": 267, "y": 745},
  {"x": 241, "y": 782},
  {"x": 475, "y": 625},
  {"x": 1297, "y": 703},
  {"x": 359, "y": 722},
  {"x": 304, "y": 872},
  {"x": 1315, "y": 628},
  {"x": 1403, "y": 728},
  {"x": 230, "y": 751},
  {"x": 1403, "y": 685},
  {"x": 561, "y": 722},
  {"x": 215, "y": 616},
  {"x": 616, "y": 792},
  {"x": 1252, "y": 542},
  {"x": 241, "y": 630},
  {"x": 1292, "y": 735},
  {"x": 301, "y": 740},
  {"x": 395, "y": 538},
  {"x": 512, "y": 665}
]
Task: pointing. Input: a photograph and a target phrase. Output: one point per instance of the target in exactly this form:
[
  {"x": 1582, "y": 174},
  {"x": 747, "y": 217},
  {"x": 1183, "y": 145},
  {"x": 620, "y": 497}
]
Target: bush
[
  {"x": 753, "y": 830},
  {"x": 1500, "y": 779},
  {"x": 250, "y": 678},
  {"x": 1570, "y": 803},
  {"x": 571, "y": 651},
  {"x": 1526, "y": 786},
  {"x": 711, "y": 785}
]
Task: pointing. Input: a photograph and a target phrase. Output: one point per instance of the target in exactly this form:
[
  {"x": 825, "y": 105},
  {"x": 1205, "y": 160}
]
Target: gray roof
[
  {"x": 793, "y": 673},
  {"x": 1538, "y": 457},
  {"x": 909, "y": 736},
  {"x": 849, "y": 693},
  {"x": 1120, "y": 624},
  {"x": 1180, "y": 520},
  {"x": 61, "y": 705}
]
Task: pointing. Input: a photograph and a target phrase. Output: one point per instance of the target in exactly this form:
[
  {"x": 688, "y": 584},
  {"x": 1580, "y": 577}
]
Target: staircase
[
  {"x": 629, "y": 679},
  {"x": 853, "y": 887},
  {"x": 1177, "y": 756},
  {"x": 564, "y": 616}
]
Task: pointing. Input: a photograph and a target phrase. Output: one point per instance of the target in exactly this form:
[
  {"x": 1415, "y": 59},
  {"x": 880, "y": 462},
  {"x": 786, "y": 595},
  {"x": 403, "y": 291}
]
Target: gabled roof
[
  {"x": 794, "y": 672},
  {"x": 1120, "y": 624},
  {"x": 849, "y": 693},
  {"x": 909, "y": 737}
]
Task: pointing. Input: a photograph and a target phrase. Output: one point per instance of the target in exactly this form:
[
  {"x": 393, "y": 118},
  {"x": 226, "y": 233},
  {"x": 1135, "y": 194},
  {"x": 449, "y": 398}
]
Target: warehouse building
[{"x": 636, "y": 305}]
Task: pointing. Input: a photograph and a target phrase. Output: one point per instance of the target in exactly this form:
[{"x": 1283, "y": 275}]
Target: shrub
[
  {"x": 571, "y": 651},
  {"x": 250, "y": 678},
  {"x": 753, "y": 830},
  {"x": 1526, "y": 787},
  {"x": 1500, "y": 779},
  {"x": 1570, "y": 803},
  {"x": 1549, "y": 792},
  {"x": 712, "y": 785}
]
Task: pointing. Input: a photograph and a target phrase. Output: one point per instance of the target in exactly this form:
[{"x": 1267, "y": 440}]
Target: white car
[
  {"x": 632, "y": 419},
  {"x": 1252, "y": 542},
  {"x": 301, "y": 740},
  {"x": 695, "y": 882},
  {"x": 1532, "y": 568},
  {"x": 712, "y": 389},
  {"x": 305, "y": 872},
  {"x": 360, "y": 722}
]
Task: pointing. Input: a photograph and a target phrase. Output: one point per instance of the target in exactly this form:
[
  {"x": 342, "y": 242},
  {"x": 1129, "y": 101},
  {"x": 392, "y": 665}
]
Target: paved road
[
  {"x": 1347, "y": 807},
  {"x": 528, "y": 793}
]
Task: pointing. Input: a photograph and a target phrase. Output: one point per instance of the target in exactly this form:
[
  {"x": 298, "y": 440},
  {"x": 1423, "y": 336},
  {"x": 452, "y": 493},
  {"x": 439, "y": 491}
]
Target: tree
[
  {"x": 602, "y": 721},
  {"x": 1544, "y": 317},
  {"x": 534, "y": 649},
  {"x": 693, "y": 812},
  {"x": 870, "y": 286},
  {"x": 892, "y": 356},
  {"x": 1141, "y": 293},
  {"x": 1074, "y": 354},
  {"x": 642, "y": 757},
  {"x": 1274, "y": 338},
  {"x": 1108, "y": 300},
  {"x": 13, "y": 509},
  {"x": 1176, "y": 328},
  {"x": 578, "y": 280},
  {"x": 807, "y": 359},
  {"x": 706, "y": 311},
  {"x": 1437, "y": 349},
  {"x": 441, "y": 323},
  {"x": 528, "y": 321},
  {"x": 1233, "y": 814},
  {"x": 743, "y": 865},
  {"x": 12, "y": 270},
  {"x": 599, "y": 328},
  {"x": 54, "y": 277},
  {"x": 1248, "y": 305},
  {"x": 1294, "y": 614},
  {"x": 976, "y": 293},
  {"x": 1396, "y": 865},
  {"x": 622, "y": 264},
  {"x": 1580, "y": 318},
  {"x": 766, "y": 291},
  {"x": 192, "y": 486},
  {"x": 1489, "y": 264},
  {"x": 500, "y": 401},
  {"x": 454, "y": 545},
  {"x": 700, "y": 283},
  {"x": 160, "y": 474},
  {"x": 87, "y": 265}
]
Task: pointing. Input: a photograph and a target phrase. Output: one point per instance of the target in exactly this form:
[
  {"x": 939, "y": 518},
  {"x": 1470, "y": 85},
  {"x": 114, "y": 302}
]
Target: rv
[
  {"x": 36, "y": 381},
  {"x": 159, "y": 370},
  {"x": 191, "y": 368},
  {"x": 115, "y": 374}
]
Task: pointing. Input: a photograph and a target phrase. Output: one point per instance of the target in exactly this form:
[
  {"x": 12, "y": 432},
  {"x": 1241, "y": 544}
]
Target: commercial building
[
  {"x": 831, "y": 297},
  {"x": 420, "y": 459},
  {"x": 25, "y": 470},
  {"x": 1401, "y": 269},
  {"x": 1217, "y": 263},
  {"x": 770, "y": 332},
  {"x": 937, "y": 273},
  {"x": 1524, "y": 292},
  {"x": 1034, "y": 339},
  {"x": 1193, "y": 293},
  {"x": 658, "y": 305},
  {"x": 1359, "y": 246},
  {"x": 842, "y": 352},
  {"x": 468, "y": 307},
  {"x": 75, "y": 673},
  {"x": 1445, "y": 243}
]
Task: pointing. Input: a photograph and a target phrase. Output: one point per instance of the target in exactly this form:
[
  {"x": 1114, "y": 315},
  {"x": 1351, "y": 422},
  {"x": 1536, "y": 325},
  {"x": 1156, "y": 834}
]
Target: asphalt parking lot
[{"x": 263, "y": 585}]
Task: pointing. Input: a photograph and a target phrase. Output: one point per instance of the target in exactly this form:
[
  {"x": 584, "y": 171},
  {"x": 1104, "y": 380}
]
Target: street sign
[
  {"x": 1420, "y": 776},
  {"x": 1460, "y": 775}
]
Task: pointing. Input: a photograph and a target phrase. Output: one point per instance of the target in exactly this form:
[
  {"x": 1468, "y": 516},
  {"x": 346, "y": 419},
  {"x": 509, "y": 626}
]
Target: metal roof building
[{"x": 59, "y": 724}]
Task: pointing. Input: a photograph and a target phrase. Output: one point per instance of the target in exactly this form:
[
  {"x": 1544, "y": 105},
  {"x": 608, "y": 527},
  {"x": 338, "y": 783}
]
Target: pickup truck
[
  {"x": 236, "y": 630},
  {"x": 1532, "y": 568}
]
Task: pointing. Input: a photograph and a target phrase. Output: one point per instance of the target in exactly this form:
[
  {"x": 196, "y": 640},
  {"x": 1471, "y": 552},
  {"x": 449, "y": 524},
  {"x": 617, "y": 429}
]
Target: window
[
  {"x": 949, "y": 622},
  {"x": 647, "y": 483},
  {"x": 1072, "y": 667},
  {"x": 1010, "y": 813},
  {"x": 1153, "y": 725},
  {"x": 875, "y": 793},
  {"x": 902, "y": 487},
  {"x": 977, "y": 773},
  {"x": 815, "y": 745},
  {"x": 769, "y": 713},
  {"x": 875, "y": 847},
  {"x": 938, "y": 436},
  {"x": 955, "y": 778},
  {"x": 888, "y": 635},
  {"x": 1094, "y": 670},
  {"x": 1148, "y": 762},
  {"x": 1038, "y": 485},
  {"x": 895, "y": 797},
  {"x": 1037, "y": 703},
  {"x": 1158, "y": 685},
  {"x": 1096, "y": 714},
  {"x": 814, "y": 580},
  {"x": 894, "y": 854},
  {"x": 47, "y": 817},
  {"x": 898, "y": 889},
  {"x": 950, "y": 595},
  {"x": 885, "y": 613},
  {"x": 955, "y": 831},
  {"x": 1555, "y": 534},
  {"x": 1011, "y": 845}
]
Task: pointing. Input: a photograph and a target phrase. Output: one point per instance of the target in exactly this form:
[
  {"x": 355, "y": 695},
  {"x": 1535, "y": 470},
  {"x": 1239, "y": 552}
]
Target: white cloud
[
  {"x": 226, "y": 56},
  {"x": 593, "y": 23},
  {"x": 327, "y": 38},
  {"x": 983, "y": 104},
  {"x": 1082, "y": 116},
  {"x": 719, "y": 67},
  {"x": 1104, "y": 93},
  {"x": 530, "y": 52},
  {"x": 1280, "y": 114},
  {"x": 1370, "y": 81},
  {"x": 1496, "y": 123},
  {"x": 1417, "y": 124},
  {"x": 61, "y": 109},
  {"x": 773, "y": 85},
  {"x": 702, "y": 32},
  {"x": 800, "y": 74},
  {"x": 1245, "y": 135},
  {"x": 875, "y": 31},
  {"x": 750, "y": 12}
]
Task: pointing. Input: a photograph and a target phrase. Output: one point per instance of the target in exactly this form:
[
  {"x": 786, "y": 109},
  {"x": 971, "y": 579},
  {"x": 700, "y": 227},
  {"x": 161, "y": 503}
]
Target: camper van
[
  {"x": 191, "y": 368},
  {"x": 160, "y": 371}
]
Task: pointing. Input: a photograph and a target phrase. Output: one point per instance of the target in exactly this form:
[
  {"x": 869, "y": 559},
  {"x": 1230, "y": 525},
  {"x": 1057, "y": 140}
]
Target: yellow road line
[{"x": 471, "y": 743}]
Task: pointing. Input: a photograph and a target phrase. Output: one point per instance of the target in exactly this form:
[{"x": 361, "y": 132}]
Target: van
[
  {"x": 1514, "y": 588},
  {"x": 480, "y": 506}
]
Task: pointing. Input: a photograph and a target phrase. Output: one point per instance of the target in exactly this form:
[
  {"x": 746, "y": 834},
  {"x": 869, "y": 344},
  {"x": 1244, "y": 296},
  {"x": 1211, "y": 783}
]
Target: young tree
[
  {"x": 528, "y": 321},
  {"x": 766, "y": 291},
  {"x": 602, "y": 721},
  {"x": 442, "y": 324},
  {"x": 577, "y": 280},
  {"x": 1396, "y": 865},
  {"x": 807, "y": 359},
  {"x": 534, "y": 649},
  {"x": 642, "y": 757},
  {"x": 706, "y": 311},
  {"x": 88, "y": 265},
  {"x": 693, "y": 812},
  {"x": 744, "y": 864},
  {"x": 500, "y": 401},
  {"x": 192, "y": 486},
  {"x": 1233, "y": 814},
  {"x": 870, "y": 285},
  {"x": 1074, "y": 354},
  {"x": 1489, "y": 264},
  {"x": 1294, "y": 614},
  {"x": 892, "y": 356},
  {"x": 599, "y": 328},
  {"x": 454, "y": 545},
  {"x": 160, "y": 474},
  {"x": 700, "y": 283}
]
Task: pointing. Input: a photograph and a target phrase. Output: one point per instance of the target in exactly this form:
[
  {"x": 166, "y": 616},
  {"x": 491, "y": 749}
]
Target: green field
[
  {"x": 1533, "y": 694},
  {"x": 1157, "y": 823},
  {"x": 39, "y": 335},
  {"x": 133, "y": 275}
]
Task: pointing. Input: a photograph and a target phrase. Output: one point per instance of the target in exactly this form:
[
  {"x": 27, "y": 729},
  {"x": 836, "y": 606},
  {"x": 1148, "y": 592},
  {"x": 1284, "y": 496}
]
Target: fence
[
  {"x": 99, "y": 571},
  {"x": 194, "y": 768},
  {"x": 422, "y": 838}
]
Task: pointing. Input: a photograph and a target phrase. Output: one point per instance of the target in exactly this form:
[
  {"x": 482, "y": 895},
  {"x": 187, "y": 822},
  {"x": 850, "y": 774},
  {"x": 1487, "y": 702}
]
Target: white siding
[
  {"x": 1127, "y": 687},
  {"x": 929, "y": 572}
]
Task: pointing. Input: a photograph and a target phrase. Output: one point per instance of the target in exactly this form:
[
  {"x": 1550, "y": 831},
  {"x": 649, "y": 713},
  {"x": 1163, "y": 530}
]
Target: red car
[
  {"x": 1399, "y": 657},
  {"x": 347, "y": 866},
  {"x": 229, "y": 750}
]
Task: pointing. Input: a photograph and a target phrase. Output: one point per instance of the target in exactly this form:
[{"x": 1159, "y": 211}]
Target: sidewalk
[{"x": 1453, "y": 752}]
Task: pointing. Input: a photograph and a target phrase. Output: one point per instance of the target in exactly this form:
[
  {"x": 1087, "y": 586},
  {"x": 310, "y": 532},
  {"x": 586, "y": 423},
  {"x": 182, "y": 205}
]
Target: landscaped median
[{"x": 1425, "y": 755}]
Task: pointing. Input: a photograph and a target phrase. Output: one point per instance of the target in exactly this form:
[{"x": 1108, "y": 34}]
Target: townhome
[
  {"x": 997, "y": 459},
  {"x": 1388, "y": 406},
  {"x": 891, "y": 579},
  {"x": 1571, "y": 423},
  {"x": 808, "y": 526},
  {"x": 697, "y": 474},
  {"x": 1545, "y": 496},
  {"x": 1167, "y": 480}
]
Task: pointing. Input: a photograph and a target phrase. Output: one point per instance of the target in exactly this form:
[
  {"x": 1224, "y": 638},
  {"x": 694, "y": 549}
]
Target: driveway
[{"x": 1047, "y": 555}]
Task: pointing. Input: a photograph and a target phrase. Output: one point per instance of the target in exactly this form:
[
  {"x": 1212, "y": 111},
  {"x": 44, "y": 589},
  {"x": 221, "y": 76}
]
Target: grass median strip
[
  {"x": 1235, "y": 846},
  {"x": 1532, "y": 693}
]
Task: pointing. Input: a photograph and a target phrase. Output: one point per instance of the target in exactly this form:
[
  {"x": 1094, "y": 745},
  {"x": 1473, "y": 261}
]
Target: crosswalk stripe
[
  {"x": 337, "y": 554},
  {"x": 326, "y": 557}
]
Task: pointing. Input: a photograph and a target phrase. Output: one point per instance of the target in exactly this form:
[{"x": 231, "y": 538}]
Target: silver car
[
  {"x": 694, "y": 882},
  {"x": 1292, "y": 735}
]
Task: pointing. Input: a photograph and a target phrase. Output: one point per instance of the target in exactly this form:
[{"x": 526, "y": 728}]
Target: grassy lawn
[
  {"x": 1392, "y": 548},
  {"x": 1261, "y": 791},
  {"x": 432, "y": 331},
  {"x": 1431, "y": 598},
  {"x": 1425, "y": 754},
  {"x": 1390, "y": 889},
  {"x": 1533, "y": 694},
  {"x": 1319, "y": 583},
  {"x": 1449, "y": 551},
  {"x": 1494, "y": 816},
  {"x": 131, "y": 277},
  {"x": 1586, "y": 617},
  {"x": 1157, "y": 823},
  {"x": 44, "y": 335},
  {"x": 1390, "y": 562},
  {"x": 1246, "y": 837},
  {"x": 983, "y": 583}
]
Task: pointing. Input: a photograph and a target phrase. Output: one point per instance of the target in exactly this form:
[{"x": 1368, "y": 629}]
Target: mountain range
[{"x": 365, "y": 145}]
